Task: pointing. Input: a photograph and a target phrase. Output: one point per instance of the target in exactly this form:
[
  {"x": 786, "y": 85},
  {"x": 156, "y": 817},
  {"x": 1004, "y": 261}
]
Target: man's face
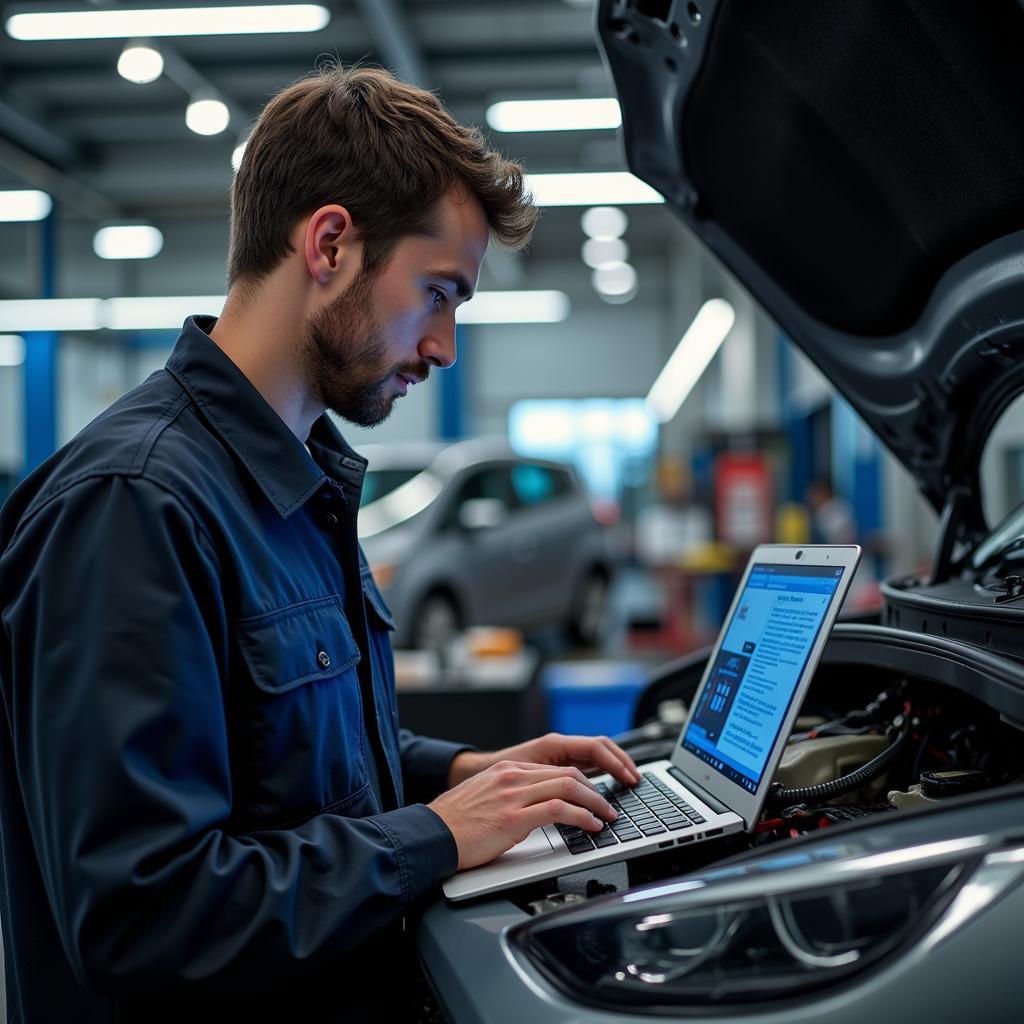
[{"x": 383, "y": 334}]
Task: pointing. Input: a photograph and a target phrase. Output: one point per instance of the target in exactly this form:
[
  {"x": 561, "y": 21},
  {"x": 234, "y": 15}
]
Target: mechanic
[{"x": 207, "y": 799}]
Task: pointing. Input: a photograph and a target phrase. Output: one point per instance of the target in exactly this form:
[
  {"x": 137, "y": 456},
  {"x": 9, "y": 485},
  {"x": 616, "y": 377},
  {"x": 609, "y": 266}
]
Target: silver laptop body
[{"x": 735, "y": 733}]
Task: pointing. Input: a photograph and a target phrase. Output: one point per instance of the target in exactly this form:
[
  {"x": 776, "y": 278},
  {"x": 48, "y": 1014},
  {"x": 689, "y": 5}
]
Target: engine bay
[{"x": 869, "y": 742}]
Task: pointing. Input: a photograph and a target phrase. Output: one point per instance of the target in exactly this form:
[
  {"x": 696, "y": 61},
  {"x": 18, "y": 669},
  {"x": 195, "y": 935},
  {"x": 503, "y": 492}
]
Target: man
[{"x": 206, "y": 796}]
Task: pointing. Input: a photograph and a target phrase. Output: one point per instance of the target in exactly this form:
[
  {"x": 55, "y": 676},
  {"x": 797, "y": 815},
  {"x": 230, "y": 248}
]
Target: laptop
[{"x": 733, "y": 738}]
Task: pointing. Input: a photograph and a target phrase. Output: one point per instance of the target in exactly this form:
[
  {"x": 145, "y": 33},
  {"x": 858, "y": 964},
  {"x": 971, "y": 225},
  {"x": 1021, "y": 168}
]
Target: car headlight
[{"x": 757, "y": 933}]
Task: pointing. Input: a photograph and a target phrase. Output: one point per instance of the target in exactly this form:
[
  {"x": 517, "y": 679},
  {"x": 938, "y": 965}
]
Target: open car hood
[{"x": 859, "y": 167}]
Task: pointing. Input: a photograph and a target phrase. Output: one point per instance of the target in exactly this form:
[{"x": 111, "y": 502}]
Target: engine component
[
  {"x": 811, "y": 762},
  {"x": 780, "y": 796},
  {"x": 952, "y": 782}
]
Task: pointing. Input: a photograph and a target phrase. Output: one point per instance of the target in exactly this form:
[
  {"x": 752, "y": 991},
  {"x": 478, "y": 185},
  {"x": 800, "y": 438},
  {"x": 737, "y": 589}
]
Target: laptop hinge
[{"x": 716, "y": 805}]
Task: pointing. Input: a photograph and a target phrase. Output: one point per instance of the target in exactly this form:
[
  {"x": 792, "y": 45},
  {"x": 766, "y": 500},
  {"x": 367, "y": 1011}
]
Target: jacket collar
[{"x": 275, "y": 458}]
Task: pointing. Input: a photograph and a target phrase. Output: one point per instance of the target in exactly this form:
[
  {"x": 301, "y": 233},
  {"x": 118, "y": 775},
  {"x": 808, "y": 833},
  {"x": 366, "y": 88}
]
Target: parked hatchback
[{"x": 473, "y": 534}]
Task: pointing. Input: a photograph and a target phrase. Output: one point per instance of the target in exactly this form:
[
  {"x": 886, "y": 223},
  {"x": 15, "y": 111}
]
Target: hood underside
[{"x": 859, "y": 166}]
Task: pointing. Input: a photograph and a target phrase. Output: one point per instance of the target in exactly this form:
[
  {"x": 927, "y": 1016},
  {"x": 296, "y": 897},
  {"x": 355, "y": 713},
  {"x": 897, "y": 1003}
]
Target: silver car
[
  {"x": 858, "y": 167},
  {"x": 473, "y": 534}
]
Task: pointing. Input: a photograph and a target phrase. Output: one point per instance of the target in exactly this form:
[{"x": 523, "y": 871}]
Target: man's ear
[{"x": 331, "y": 248}]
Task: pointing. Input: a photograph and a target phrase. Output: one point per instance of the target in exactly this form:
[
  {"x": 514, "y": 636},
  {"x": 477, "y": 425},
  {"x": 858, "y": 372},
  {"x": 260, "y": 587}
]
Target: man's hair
[{"x": 386, "y": 151}]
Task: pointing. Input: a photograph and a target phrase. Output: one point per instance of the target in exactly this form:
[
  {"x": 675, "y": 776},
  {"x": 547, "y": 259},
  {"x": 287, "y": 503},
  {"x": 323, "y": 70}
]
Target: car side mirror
[{"x": 481, "y": 513}]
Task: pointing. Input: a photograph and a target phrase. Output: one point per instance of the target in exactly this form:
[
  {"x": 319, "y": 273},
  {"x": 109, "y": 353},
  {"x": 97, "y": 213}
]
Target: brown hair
[{"x": 385, "y": 150}]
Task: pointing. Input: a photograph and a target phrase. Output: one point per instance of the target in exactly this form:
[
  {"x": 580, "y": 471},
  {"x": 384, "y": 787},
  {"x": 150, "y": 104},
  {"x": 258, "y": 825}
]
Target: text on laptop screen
[{"x": 752, "y": 682}]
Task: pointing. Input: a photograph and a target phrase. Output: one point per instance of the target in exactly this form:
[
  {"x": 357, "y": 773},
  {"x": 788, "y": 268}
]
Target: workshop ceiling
[{"x": 110, "y": 148}]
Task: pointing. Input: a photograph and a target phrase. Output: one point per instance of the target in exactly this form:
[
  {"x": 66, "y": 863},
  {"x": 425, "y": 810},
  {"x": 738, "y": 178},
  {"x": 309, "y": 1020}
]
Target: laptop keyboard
[{"x": 648, "y": 809}]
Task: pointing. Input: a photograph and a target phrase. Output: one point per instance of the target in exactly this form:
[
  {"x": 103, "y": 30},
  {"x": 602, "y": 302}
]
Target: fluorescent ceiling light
[
  {"x": 127, "y": 314},
  {"x": 12, "y": 350},
  {"x": 127, "y": 242},
  {"x": 140, "y": 64},
  {"x": 197, "y": 20},
  {"x": 595, "y": 188},
  {"x": 604, "y": 222},
  {"x": 207, "y": 116},
  {"x": 695, "y": 350},
  {"x": 554, "y": 115},
  {"x": 49, "y": 314},
  {"x": 599, "y": 251},
  {"x": 614, "y": 279},
  {"x": 533, "y": 307},
  {"x": 24, "y": 205},
  {"x": 167, "y": 312},
  {"x": 164, "y": 312},
  {"x": 236, "y": 155}
]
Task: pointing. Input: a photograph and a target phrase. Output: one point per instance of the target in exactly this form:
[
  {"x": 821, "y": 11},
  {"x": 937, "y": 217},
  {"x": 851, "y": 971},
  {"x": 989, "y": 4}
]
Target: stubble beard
[{"x": 344, "y": 354}]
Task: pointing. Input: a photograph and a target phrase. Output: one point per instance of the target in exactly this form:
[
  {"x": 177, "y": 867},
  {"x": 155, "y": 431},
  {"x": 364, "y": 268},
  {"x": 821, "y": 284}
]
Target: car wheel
[
  {"x": 437, "y": 622},
  {"x": 589, "y": 609}
]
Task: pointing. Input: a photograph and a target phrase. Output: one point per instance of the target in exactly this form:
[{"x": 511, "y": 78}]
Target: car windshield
[
  {"x": 380, "y": 482},
  {"x": 400, "y": 494}
]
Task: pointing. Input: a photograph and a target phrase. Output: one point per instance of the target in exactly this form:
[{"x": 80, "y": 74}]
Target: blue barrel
[{"x": 592, "y": 697}]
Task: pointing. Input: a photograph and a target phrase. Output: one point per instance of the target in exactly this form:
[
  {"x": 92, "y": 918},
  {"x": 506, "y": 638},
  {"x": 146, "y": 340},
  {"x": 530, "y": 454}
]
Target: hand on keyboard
[{"x": 500, "y": 806}]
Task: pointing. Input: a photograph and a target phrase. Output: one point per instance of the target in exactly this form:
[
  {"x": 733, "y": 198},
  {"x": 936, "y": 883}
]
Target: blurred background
[{"x": 569, "y": 504}]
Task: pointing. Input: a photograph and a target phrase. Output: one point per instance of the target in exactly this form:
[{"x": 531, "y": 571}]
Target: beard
[{"x": 344, "y": 354}]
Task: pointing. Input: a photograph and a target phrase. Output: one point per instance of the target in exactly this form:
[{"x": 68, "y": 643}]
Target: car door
[
  {"x": 480, "y": 561},
  {"x": 546, "y": 537}
]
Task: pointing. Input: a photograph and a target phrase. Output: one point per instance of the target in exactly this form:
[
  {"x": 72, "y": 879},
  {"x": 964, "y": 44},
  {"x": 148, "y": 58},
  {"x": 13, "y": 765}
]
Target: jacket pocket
[
  {"x": 303, "y": 712},
  {"x": 296, "y": 645}
]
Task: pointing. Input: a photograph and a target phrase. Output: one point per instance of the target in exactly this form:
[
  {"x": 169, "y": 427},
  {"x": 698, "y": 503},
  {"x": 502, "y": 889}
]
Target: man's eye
[{"x": 439, "y": 297}]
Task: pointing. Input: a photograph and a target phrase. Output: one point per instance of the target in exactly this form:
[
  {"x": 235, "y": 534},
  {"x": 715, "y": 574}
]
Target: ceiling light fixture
[
  {"x": 127, "y": 242},
  {"x": 523, "y": 307},
  {"x": 168, "y": 312},
  {"x": 693, "y": 354},
  {"x": 197, "y": 20},
  {"x": 24, "y": 205},
  {"x": 236, "y": 155},
  {"x": 554, "y": 115},
  {"x": 207, "y": 116},
  {"x": 604, "y": 222},
  {"x": 599, "y": 251},
  {"x": 12, "y": 350},
  {"x": 615, "y": 282},
  {"x": 140, "y": 63},
  {"x": 593, "y": 188}
]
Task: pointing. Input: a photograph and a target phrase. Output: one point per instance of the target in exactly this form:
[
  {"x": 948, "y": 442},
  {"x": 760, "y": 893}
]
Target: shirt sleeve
[
  {"x": 425, "y": 764},
  {"x": 111, "y": 603}
]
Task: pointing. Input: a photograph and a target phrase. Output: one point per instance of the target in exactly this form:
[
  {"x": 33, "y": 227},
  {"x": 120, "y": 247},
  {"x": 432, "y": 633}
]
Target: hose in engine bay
[{"x": 779, "y": 795}]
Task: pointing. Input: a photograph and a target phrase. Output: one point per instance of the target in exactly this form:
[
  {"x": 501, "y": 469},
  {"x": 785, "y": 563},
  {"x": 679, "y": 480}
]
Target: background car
[
  {"x": 859, "y": 169},
  {"x": 473, "y": 534}
]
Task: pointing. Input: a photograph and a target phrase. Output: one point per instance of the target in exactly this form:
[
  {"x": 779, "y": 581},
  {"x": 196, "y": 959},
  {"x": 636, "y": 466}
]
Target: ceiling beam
[{"x": 393, "y": 38}]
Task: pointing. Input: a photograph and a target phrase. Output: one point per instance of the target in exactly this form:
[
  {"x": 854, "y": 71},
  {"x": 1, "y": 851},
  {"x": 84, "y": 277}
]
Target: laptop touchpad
[{"x": 536, "y": 844}]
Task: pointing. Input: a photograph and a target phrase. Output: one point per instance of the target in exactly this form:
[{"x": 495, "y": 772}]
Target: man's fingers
[
  {"x": 568, "y": 790},
  {"x": 606, "y": 755},
  {"x": 540, "y": 772},
  {"x": 632, "y": 772},
  {"x": 551, "y": 811}
]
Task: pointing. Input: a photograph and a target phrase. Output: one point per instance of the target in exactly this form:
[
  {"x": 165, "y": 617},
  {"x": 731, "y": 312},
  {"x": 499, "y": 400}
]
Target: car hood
[{"x": 859, "y": 167}]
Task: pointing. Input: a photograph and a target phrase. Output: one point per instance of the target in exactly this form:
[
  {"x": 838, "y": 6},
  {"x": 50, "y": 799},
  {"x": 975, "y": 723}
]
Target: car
[
  {"x": 859, "y": 168},
  {"x": 471, "y": 533}
]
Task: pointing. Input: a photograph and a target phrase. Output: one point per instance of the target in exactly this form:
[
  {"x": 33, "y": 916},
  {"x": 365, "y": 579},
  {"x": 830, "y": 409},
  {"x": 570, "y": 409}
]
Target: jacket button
[
  {"x": 330, "y": 520},
  {"x": 324, "y": 658}
]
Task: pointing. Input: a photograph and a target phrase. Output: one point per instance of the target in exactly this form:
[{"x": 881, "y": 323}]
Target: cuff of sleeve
[
  {"x": 424, "y": 848},
  {"x": 430, "y": 767}
]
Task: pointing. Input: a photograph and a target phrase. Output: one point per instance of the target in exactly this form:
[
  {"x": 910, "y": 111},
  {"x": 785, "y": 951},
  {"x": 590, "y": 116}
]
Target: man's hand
[
  {"x": 501, "y": 805},
  {"x": 584, "y": 752}
]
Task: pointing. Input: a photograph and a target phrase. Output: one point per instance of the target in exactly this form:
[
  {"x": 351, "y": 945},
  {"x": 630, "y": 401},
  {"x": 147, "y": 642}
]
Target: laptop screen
[{"x": 767, "y": 643}]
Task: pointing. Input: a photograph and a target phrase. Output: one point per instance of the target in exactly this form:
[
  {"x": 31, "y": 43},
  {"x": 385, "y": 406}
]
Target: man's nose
[{"x": 438, "y": 347}]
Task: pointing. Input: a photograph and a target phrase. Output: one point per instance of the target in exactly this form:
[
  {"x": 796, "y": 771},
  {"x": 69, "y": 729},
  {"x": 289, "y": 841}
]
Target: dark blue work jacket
[{"x": 204, "y": 790}]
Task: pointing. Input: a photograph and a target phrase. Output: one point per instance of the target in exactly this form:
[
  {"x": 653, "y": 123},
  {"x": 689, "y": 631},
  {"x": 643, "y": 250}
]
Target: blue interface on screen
[{"x": 755, "y": 675}]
